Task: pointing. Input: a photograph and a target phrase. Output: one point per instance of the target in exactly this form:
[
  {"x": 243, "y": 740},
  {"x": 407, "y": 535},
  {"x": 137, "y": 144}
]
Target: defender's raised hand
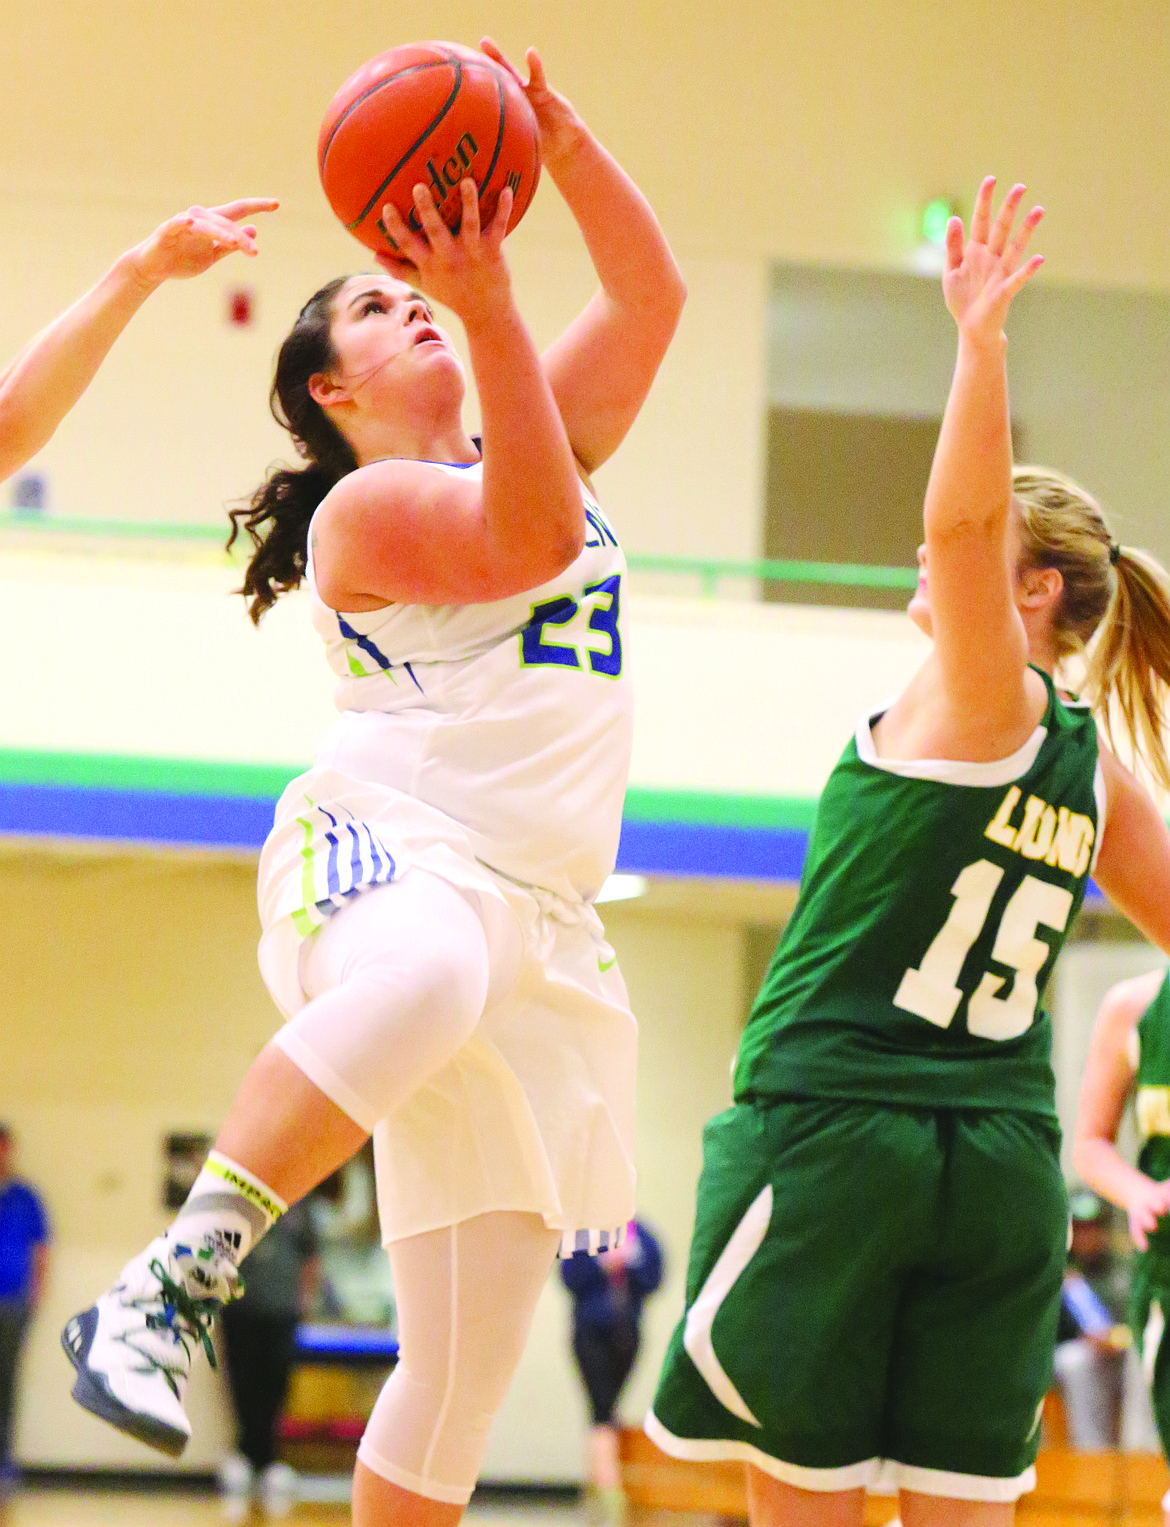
[
  {"x": 984, "y": 271},
  {"x": 192, "y": 242},
  {"x": 46, "y": 379}
]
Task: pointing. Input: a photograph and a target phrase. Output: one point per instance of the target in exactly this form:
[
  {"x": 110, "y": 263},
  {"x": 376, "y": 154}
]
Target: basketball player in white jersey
[
  {"x": 42, "y": 384},
  {"x": 427, "y": 890}
]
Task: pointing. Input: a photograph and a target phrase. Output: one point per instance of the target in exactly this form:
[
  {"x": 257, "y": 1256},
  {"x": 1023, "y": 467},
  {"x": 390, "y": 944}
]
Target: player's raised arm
[
  {"x": 46, "y": 379},
  {"x": 979, "y": 637},
  {"x": 396, "y": 530},
  {"x": 602, "y": 367}
]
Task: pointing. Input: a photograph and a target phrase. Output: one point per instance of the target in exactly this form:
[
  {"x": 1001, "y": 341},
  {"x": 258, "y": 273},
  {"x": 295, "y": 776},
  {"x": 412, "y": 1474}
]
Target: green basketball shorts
[
  {"x": 1149, "y": 1307},
  {"x": 870, "y": 1286}
]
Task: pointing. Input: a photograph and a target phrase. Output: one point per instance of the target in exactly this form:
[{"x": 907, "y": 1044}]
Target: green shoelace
[{"x": 186, "y": 1317}]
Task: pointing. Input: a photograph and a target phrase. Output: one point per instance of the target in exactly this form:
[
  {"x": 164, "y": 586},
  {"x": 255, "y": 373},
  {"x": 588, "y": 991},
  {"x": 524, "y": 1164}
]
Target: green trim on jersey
[{"x": 933, "y": 904}]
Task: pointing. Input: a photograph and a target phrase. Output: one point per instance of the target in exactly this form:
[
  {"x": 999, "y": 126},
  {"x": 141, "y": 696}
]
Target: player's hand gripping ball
[{"x": 432, "y": 113}]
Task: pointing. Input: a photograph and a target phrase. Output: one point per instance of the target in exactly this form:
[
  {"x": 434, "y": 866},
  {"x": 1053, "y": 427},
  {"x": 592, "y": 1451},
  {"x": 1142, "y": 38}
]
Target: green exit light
[{"x": 935, "y": 217}]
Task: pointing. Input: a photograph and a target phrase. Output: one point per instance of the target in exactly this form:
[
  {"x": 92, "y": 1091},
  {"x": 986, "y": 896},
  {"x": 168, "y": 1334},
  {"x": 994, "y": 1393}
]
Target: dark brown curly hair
[{"x": 277, "y": 515}]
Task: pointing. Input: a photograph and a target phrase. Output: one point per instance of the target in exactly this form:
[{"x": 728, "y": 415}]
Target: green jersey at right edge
[
  {"x": 934, "y": 900},
  {"x": 1152, "y": 1103}
]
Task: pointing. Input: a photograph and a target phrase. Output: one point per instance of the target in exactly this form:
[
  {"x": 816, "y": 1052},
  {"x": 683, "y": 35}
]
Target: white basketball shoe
[{"x": 133, "y": 1348}]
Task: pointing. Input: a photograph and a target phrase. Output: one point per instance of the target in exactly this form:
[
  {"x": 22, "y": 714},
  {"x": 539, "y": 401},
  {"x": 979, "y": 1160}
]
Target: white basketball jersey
[{"x": 514, "y": 717}]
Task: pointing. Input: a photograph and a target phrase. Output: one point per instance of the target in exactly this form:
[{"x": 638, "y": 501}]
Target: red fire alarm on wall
[{"x": 241, "y": 306}]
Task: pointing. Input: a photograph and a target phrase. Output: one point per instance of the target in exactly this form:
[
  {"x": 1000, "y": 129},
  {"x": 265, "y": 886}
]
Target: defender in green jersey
[
  {"x": 880, "y": 1233},
  {"x": 1130, "y": 1058}
]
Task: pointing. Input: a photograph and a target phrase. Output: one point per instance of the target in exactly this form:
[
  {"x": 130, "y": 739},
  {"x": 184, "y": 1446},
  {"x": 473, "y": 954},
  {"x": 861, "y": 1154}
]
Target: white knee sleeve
[
  {"x": 465, "y": 1298},
  {"x": 397, "y": 982}
]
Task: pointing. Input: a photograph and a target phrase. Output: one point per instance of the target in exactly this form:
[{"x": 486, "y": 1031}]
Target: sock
[{"x": 227, "y": 1210}]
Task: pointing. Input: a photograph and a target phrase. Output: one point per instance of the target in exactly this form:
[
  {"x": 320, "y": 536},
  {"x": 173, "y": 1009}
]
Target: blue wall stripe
[
  {"x": 242, "y": 822},
  {"x": 699, "y": 848},
  {"x": 137, "y": 816}
]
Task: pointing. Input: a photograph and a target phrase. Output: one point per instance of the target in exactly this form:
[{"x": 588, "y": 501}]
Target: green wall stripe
[
  {"x": 711, "y": 810},
  {"x": 184, "y": 776},
  {"x": 170, "y": 776}
]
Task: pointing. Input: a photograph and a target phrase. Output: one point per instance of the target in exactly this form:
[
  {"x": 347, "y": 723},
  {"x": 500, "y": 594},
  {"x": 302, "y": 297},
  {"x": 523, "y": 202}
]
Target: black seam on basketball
[
  {"x": 431, "y": 63},
  {"x": 421, "y": 139},
  {"x": 500, "y": 135}
]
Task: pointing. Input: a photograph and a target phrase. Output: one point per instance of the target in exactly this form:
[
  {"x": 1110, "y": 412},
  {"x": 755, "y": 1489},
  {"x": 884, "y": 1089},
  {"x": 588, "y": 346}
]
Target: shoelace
[{"x": 187, "y": 1318}]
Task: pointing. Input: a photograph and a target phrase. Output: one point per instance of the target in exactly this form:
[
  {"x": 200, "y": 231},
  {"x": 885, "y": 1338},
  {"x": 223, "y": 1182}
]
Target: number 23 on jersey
[{"x": 585, "y": 633}]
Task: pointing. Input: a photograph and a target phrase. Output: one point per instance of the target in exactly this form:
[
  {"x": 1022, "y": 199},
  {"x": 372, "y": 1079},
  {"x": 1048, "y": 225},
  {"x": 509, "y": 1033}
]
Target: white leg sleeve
[
  {"x": 397, "y": 982},
  {"x": 465, "y": 1297}
]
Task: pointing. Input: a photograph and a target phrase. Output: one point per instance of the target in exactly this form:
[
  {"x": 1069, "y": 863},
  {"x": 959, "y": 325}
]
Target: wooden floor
[
  {"x": 94, "y": 1508},
  {"x": 90, "y": 1507},
  {"x": 57, "y": 1507}
]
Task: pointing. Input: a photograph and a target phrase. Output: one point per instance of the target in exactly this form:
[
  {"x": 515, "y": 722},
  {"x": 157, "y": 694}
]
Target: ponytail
[
  {"x": 1116, "y": 597},
  {"x": 286, "y": 500},
  {"x": 1128, "y": 674}
]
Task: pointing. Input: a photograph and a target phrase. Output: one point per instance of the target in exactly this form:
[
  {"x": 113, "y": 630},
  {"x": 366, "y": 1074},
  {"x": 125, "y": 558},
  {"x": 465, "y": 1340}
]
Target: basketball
[{"x": 432, "y": 113}]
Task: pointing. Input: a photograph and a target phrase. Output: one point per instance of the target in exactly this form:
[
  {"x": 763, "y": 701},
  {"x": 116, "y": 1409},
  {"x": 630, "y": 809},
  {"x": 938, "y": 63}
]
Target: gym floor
[{"x": 36, "y": 1506}]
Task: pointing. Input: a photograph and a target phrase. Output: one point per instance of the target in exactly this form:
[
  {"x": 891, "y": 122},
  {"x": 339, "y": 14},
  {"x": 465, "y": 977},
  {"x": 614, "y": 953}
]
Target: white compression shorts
[
  {"x": 465, "y": 1297},
  {"x": 397, "y": 982}
]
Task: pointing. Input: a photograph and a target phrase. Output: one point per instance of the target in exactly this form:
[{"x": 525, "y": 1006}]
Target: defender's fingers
[
  {"x": 997, "y": 240},
  {"x": 981, "y": 216},
  {"x": 954, "y": 243},
  {"x": 247, "y": 206},
  {"x": 1015, "y": 250},
  {"x": 1021, "y": 278}
]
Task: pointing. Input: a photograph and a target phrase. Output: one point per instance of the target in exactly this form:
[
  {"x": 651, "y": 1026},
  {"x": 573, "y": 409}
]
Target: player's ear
[
  {"x": 1040, "y": 586},
  {"x": 326, "y": 392}
]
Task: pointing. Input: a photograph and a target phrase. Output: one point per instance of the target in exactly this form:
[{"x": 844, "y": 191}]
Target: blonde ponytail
[
  {"x": 1128, "y": 673},
  {"x": 1119, "y": 595}
]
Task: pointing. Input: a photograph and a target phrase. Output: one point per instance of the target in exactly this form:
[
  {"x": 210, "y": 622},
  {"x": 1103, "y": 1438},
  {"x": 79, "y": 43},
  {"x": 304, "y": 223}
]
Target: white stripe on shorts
[{"x": 592, "y": 1242}]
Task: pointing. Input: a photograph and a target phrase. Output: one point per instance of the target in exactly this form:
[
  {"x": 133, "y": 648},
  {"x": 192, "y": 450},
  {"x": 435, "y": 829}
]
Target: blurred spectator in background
[
  {"x": 259, "y": 1341},
  {"x": 1092, "y": 1335},
  {"x": 24, "y": 1270},
  {"x": 608, "y": 1292}
]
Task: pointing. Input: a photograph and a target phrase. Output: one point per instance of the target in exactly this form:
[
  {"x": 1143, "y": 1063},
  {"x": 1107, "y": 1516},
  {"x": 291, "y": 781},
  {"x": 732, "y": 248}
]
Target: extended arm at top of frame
[
  {"x": 46, "y": 379},
  {"x": 979, "y": 638},
  {"x": 603, "y": 365}
]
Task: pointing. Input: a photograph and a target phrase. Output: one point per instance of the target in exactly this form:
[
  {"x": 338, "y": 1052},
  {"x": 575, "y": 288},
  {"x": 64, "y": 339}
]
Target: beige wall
[{"x": 813, "y": 131}]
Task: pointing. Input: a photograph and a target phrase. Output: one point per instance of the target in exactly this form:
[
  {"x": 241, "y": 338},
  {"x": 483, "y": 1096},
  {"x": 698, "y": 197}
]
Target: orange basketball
[{"x": 430, "y": 112}]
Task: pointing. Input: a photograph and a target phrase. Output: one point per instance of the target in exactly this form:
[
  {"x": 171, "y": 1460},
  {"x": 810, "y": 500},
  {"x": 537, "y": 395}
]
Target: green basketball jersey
[
  {"x": 1152, "y": 1097},
  {"x": 934, "y": 900}
]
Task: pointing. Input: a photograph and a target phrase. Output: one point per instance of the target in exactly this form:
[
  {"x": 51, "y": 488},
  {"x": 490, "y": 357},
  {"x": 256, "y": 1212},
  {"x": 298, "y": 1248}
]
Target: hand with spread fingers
[
  {"x": 465, "y": 271},
  {"x": 558, "y": 123},
  {"x": 192, "y": 242},
  {"x": 985, "y": 271}
]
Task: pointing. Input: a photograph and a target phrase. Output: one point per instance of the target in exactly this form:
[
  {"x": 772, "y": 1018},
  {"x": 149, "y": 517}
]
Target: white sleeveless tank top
[{"x": 514, "y": 718}]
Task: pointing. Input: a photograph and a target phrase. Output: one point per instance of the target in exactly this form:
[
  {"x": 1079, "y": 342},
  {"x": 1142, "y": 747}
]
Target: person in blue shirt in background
[
  {"x": 24, "y": 1270},
  {"x": 608, "y": 1292}
]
